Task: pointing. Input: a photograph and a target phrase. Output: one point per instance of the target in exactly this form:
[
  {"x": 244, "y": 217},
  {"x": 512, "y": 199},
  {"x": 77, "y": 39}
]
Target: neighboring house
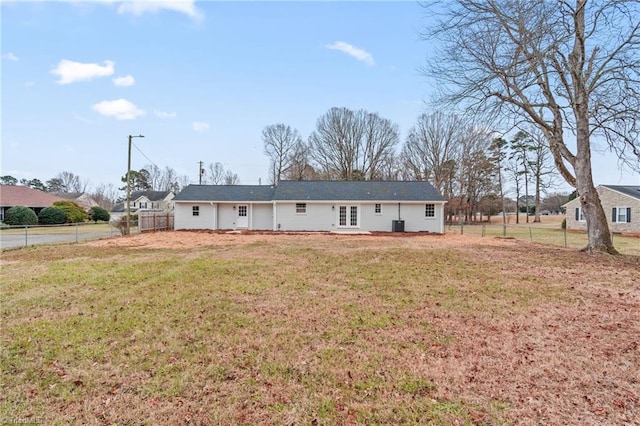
[
  {"x": 82, "y": 199},
  {"x": 145, "y": 201},
  {"x": 312, "y": 206},
  {"x": 14, "y": 195},
  {"x": 621, "y": 205}
]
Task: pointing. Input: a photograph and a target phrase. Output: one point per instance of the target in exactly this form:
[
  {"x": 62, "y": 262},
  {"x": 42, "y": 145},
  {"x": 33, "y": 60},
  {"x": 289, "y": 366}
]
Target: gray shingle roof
[
  {"x": 325, "y": 190},
  {"x": 150, "y": 195},
  {"x": 367, "y": 190},
  {"x": 630, "y": 190},
  {"x": 226, "y": 193}
]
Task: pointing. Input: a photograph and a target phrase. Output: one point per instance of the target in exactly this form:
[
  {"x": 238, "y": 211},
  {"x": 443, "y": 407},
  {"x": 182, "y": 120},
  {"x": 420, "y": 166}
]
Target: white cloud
[
  {"x": 125, "y": 81},
  {"x": 139, "y": 7},
  {"x": 164, "y": 114},
  {"x": 70, "y": 71},
  {"x": 120, "y": 109},
  {"x": 200, "y": 126},
  {"x": 355, "y": 52},
  {"x": 11, "y": 56}
]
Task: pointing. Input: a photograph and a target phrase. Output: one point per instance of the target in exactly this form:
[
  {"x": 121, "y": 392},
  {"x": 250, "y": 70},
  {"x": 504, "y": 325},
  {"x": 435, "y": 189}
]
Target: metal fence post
[
  {"x": 530, "y": 234},
  {"x": 76, "y": 232},
  {"x": 26, "y": 235},
  {"x": 565, "y": 236},
  {"x": 504, "y": 230}
]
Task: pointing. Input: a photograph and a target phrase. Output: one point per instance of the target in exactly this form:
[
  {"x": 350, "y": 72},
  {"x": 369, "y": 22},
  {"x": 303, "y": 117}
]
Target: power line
[{"x": 145, "y": 155}]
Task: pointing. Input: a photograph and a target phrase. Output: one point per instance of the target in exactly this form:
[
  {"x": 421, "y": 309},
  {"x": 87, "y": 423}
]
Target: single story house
[
  {"x": 621, "y": 203},
  {"x": 313, "y": 206},
  {"x": 16, "y": 195},
  {"x": 145, "y": 202}
]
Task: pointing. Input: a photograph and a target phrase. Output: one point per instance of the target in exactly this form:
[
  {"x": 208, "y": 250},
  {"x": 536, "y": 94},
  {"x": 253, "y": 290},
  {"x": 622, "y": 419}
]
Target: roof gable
[
  {"x": 150, "y": 195},
  {"x": 629, "y": 190}
]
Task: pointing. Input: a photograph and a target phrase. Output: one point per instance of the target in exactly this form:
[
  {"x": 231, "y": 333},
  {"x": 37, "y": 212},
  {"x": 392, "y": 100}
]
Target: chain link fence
[
  {"x": 26, "y": 235},
  {"x": 545, "y": 235}
]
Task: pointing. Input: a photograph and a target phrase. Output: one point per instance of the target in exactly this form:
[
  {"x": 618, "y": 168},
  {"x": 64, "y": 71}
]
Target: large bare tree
[
  {"x": 280, "y": 141},
  {"x": 570, "y": 67},
  {"x": 353, "y": 145}
]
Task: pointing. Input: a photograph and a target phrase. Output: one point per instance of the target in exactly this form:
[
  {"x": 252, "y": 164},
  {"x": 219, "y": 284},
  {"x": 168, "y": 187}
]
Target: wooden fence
[{"x": 155, "y": 222}]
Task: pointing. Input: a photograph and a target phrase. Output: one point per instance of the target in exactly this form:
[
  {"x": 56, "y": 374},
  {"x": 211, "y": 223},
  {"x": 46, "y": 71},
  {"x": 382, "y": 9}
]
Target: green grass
[
  {"x": 548, "y": 234},
  {"x": 281, "y": 332}
]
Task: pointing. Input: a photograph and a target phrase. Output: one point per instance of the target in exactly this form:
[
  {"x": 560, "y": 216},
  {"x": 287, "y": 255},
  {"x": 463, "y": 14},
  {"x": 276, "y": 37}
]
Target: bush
[
  {"x": 52, "y": 216},
  {"x": 98, "y": 213},
  {"x": 20, "y": 215},
  {"x": 121, "y": 223},
  {"x": 563, "y": 225},
  {"x": 74, "y": 212}
]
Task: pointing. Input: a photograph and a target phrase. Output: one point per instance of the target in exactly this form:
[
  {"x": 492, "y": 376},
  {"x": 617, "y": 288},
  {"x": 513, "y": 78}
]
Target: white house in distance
[
  {"x": 313, "y": 206},
  {"x": 621, "y": 204},
  {"x": 145, "y": 202}
]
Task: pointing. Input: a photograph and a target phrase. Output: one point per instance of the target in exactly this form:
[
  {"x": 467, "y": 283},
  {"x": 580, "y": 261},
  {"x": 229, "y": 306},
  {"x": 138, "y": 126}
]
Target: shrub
[
  {"x": 20, "y": 215},
  {"x": 74, "y": 212},
  {"x": 98, "y": 213},
  {"x": 52, "y": 216},
  {"x": 563, "y": 225},
  {"x": 121, "y": 223}
]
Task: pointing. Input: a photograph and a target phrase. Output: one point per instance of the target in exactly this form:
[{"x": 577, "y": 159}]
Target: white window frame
[
  {"x": 301, "y": 208},
  {"x": 195, "y": 210},
  {"x": 621, "y": 214},
  {"x": 377, "y": 208},
  {"x": 581, "y": 217},
  {"x": 349, "y": 218},
  {"x": 433, "y": 211}
]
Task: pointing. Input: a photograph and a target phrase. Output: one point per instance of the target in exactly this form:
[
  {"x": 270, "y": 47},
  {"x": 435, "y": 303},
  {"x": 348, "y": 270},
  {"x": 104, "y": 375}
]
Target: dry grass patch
[{"x": 207, "y": 328}]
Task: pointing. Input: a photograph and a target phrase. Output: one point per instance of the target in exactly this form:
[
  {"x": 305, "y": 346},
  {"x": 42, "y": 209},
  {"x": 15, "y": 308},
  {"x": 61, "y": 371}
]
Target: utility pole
[
  {"x": 200, "y": 172},
  {"x": 129, "y": 185}
]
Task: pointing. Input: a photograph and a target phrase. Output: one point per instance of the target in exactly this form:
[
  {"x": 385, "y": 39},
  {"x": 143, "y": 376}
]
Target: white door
[
  {"x": 243, "y": 216},
  {"x": 348, "y": 217}
]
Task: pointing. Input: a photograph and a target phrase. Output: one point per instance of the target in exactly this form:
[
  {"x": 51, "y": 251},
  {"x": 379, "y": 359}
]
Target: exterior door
[
  {"x": 243, "y": 216},
  {"x": 348, "y": 217}
]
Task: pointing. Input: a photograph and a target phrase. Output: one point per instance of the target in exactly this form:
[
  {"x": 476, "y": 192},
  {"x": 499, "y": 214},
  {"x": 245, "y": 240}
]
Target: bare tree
[
  {"x": 67, "y": 182},
  {"x": 541, "y": 167},
  {"x": 214, "y": 174},
  {"x": 432, "y": 143},
  {"x": 566, "y": 66},
  {"x": 353, "y": 144},
  {"x": 105, "y": 195},
  {"x": 231, "y": 178},
  {"x": 300, "y": 167},
  {"x": 280, "y": 141}
]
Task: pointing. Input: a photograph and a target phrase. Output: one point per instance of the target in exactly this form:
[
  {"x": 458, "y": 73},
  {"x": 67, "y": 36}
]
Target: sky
[{"x": 200, "y": 80}]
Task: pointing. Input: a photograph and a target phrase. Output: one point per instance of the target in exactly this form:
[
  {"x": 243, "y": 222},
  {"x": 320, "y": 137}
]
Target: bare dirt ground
[{"x": 574, "y": 361}]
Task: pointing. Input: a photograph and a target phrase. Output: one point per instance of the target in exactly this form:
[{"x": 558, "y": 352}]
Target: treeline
[{"x": 473, "y": 168}]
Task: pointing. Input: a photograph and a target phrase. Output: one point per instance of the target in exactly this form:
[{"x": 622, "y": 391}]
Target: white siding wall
[
  {"x": 370, "y": 221},
  {"x": 415, "y": 220},
  {"x": 227, "y": 216},
  {"x": 184, "y": 218},
  {"x": 319, "y": 217},
  {"x": 262, "y": 216}
]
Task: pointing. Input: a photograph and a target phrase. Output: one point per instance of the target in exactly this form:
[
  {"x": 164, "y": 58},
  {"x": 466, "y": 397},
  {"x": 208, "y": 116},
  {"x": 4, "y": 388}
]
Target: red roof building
[{"x": 14, "y": 195}]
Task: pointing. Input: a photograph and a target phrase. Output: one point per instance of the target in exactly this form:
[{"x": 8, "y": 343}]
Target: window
[
  {"x": 143, "y": 205},
  {"x": 580, "y": 215},
  {"x": 430, "y": 210},
  {"x": 301, "y": 208},
  {"x": 378, "y": 209},
  {"x": 621, "y": 214},
  {"x": 195, "y": 210}
]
